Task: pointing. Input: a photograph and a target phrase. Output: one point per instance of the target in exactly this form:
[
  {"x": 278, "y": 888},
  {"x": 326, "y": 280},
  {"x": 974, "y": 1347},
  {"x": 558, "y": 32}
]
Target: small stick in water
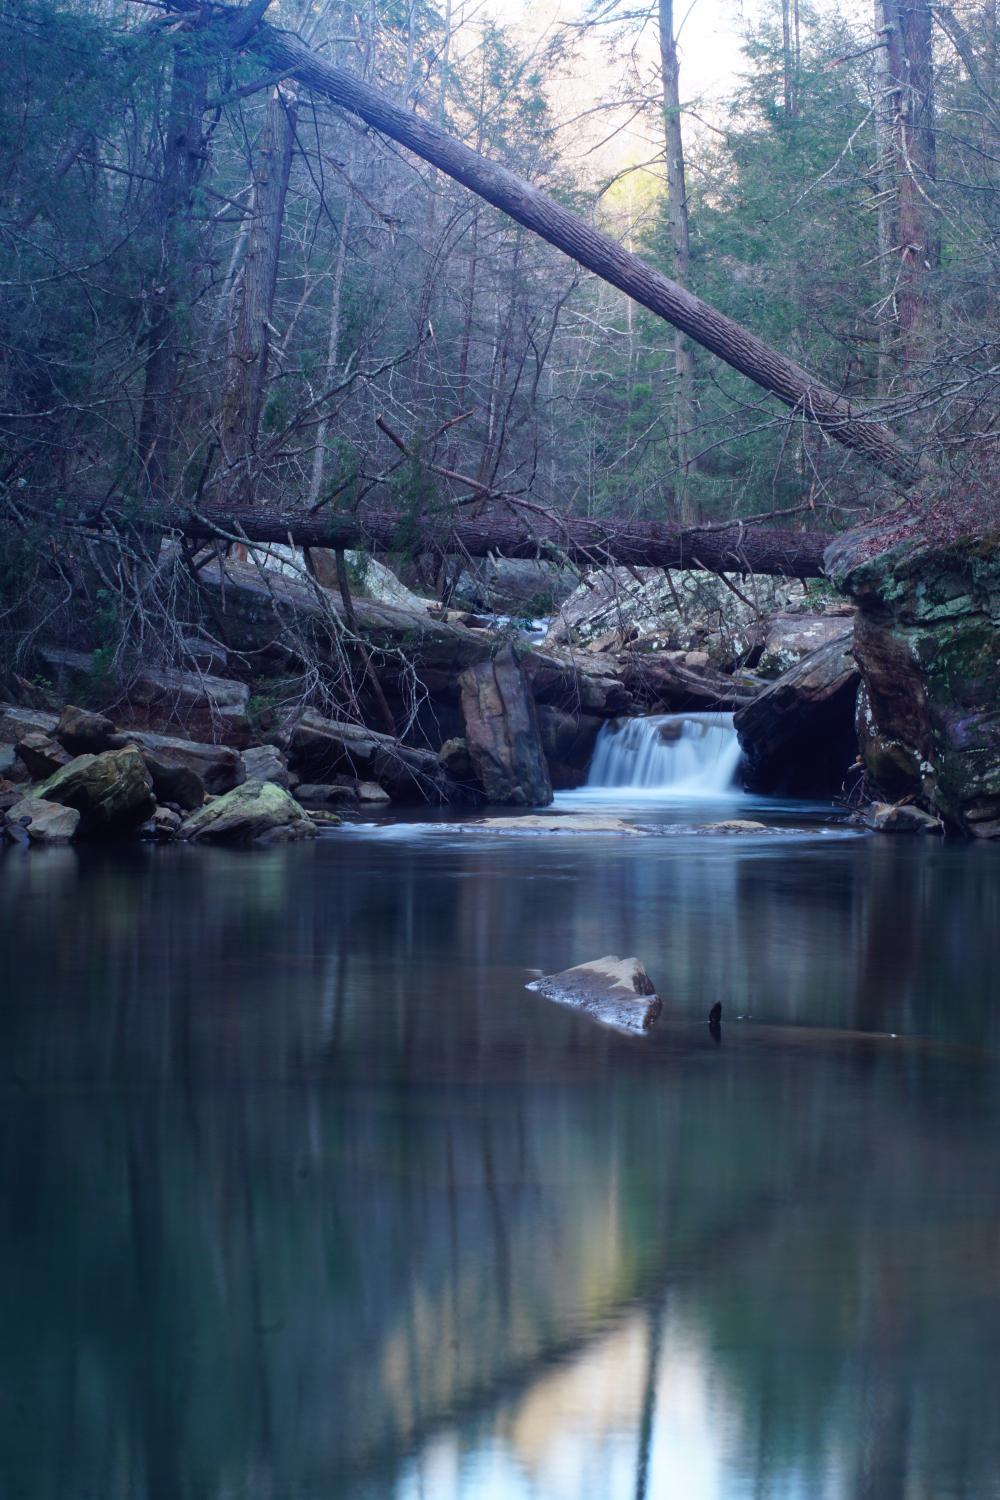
[{"x": 715, "y": 1020}]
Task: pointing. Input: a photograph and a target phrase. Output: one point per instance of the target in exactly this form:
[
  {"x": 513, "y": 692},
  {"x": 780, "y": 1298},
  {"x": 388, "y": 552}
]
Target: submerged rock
[
  {"x": 734, "y": 825},
  {"x": 38, "y": 821},
  {"x": 112, "y": 792},
  {"x": 258, "y": 812},
  {"x": 927, "y": 642},
  {"x": 501, "y": 731},
  {"x": 618, "y": 992}
]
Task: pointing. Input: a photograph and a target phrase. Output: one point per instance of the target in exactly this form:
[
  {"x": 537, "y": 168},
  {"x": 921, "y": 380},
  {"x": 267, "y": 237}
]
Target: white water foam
[{"x": 675, "y": 755}]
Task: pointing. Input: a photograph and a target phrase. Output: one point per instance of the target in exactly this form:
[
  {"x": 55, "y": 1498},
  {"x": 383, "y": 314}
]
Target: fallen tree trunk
[
  {"x": 538, "y": 534},
  {"x": 807, "y": 396}
]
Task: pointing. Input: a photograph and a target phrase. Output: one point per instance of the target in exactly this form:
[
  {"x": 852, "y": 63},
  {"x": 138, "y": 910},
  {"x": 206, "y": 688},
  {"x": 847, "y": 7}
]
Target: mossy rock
[
  {"x": 112, "y": 792},
  {"x": 258, "y": 812}
]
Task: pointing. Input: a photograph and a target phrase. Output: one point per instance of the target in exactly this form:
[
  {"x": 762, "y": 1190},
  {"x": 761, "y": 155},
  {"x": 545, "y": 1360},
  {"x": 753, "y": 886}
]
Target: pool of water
[{"x": 306, "y": 1196}]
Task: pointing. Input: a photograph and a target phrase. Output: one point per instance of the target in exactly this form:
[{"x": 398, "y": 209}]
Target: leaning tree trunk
[
  {"x": 807, "y": 396},
  {"x": 244, "y": 399}
]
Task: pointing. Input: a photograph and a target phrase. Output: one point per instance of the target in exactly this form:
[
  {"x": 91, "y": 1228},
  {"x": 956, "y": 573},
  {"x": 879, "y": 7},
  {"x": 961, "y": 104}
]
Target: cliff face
[{"x": 927, "y": 643}]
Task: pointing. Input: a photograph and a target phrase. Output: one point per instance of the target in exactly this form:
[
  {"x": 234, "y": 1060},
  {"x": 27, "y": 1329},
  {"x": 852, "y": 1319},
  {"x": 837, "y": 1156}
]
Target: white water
[{"x": 677, "y": 755}]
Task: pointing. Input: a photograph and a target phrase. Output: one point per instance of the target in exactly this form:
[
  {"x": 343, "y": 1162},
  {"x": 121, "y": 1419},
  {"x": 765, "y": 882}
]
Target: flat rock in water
[
  {"x": 555, "y": 823},
  {"x": 615, "y": 991},
  {"x": 734, "y": 825}
]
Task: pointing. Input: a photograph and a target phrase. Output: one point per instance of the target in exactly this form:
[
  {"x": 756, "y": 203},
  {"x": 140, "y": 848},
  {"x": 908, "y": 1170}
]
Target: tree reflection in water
[{"x": 306, "y": 1196}]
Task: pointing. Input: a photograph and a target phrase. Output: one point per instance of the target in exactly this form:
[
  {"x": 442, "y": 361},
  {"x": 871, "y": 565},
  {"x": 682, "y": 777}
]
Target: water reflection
[{"x": 306, "y": 1196}]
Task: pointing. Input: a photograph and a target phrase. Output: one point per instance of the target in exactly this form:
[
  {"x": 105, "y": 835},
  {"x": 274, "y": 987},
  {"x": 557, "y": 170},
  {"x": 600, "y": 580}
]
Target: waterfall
[{"x": 677, "y": 754}]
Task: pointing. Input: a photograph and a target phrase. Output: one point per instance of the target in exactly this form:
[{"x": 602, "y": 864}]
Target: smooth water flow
[{"x": 683, "y": 754}]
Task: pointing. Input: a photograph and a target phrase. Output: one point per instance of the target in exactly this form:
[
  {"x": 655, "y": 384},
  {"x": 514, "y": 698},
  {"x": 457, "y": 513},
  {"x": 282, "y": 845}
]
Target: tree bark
[
  {"x": 504, "y": 532},
  {"x": 598, "y": 252},
  {"x": 272, "y": 160},
  {"x": 680, "y": 237},
  {"x": 183, "y": 165}
]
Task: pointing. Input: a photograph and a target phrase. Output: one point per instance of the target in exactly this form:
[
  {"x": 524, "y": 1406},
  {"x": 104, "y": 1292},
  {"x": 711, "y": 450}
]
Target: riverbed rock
[
  {"x": 888, "y": 817},
  {"x": 39, "y": 821},
  {"x": 734, "y": 825},
  {"x": 172, "y": 762},
  {"x": 81, "y": 732},
  {"x": 617, "y": 992},
  {"x": 501, "y": 731},
  {"x": 927, "y": 641},
  {"x": 16, "y": 722},
  {"x": 798, "y": 734},
  {"x": 556, "y": 823},
  {"x": 162, "y": 827},
  {"x": 257, "y": 812},
  {"x": 41, "y": 755},
  {"x": 326, "y": 795},
  {"x": 112, "y": 792}
]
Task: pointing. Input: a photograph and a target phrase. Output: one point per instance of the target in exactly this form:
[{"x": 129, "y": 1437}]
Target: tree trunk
[
  {"x": 808, "y": 397},
  {"x": 183, "y": 164},
  {"x": 537, "y": 534},
  {"x": 677, "y": 209},
  {"x": 272, "y": 160}
]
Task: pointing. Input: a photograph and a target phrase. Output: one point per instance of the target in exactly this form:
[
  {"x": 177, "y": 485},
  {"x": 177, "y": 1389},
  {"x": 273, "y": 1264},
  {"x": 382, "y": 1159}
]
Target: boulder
[
  {"x": 42, "y": 822},
  {"x": 454, "y": 757},
  {"x": 734, "y": 825},
  {"x": 112, "y": 792},
  {"x": 16, "y": 722},
  {"x": 257, "y": 812},
  {"x": 218, "y": 768},
  {"x": 162, "y": 827},
  {"x": 791, "y": 637},
  {"x": 320, "y": 749},
  {"x": 615, "y": 991},
  {"x": 81, "y": 731},
  {"x": 555, "y": 823},
  {"x": 370, "y": 792},
  {"x": 322, "y": 796},
  {"x": 266, "y": 763},
  {"x": 41, "y": 755},
  {"x": 501, "y": 731},
  {"x": 890, "y": 817},
  {"x": 798, "y": 734},
  {"x": 927, "y": 641}
]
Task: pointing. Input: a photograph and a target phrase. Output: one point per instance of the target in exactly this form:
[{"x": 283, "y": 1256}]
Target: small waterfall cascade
[{"x": 682, "y": 755}]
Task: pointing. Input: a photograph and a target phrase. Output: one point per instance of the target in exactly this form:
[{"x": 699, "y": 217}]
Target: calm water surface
[{"x": 305, "y": 1196}]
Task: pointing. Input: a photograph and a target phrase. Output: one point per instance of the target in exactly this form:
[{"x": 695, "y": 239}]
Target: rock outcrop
[
  {"x": 502, "y": 734},
  {"x": 258, "y": 812},
  {"x": 927, "y": 642},
  {"x": 615, "y": 991},
  {"x": 791, "y": 637},
  {"x": 320, "y": 749},
  {"x": 798, "y": 734}
]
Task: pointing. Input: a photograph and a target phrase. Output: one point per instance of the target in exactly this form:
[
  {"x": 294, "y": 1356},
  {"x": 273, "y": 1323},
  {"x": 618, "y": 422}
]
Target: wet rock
[
  {"x": 81, "y": 731},
  {"x": 41, "y": 755},
  {"x": 887, "y": 817},
  {"x": 162, "y": 827},
  {"x": 798, "y": 734},
  {"x": 266, "y": 763},
  {"x": 556, "y": 823},
  {"x": 320, "y": 796},
  {"x": 455, "y": 758},
  {"x": 618, "y": 992},
  {"x": 371, "y": 793},
  {"x": 37, "y": 821},
  {"x": 218, "y": 768},
  {"x": 734, "y": 825},
  {"x": 112, "y": 792},
  {"x": 927, "y": 641},
  {"x": 501, "y": 731},
  {"x": 791, "y": 637},
  {"x": 257, "y": 812}
]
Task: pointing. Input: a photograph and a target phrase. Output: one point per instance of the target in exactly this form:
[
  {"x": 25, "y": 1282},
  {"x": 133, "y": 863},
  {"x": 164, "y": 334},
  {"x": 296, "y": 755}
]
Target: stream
[{"x": 307, "y": 1197}]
